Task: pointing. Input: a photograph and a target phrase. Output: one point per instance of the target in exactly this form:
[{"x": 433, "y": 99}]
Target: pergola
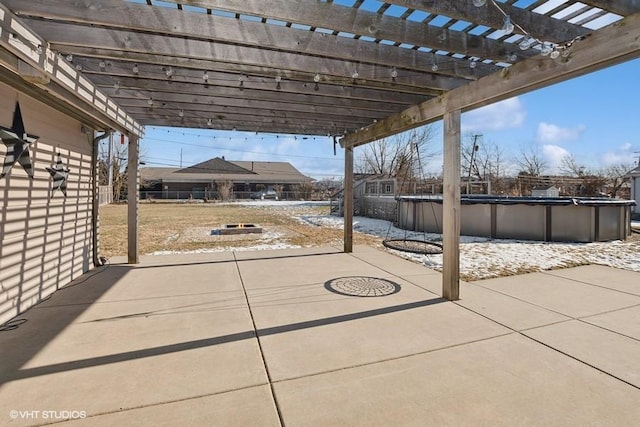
[{"x": 358, "y": 70}]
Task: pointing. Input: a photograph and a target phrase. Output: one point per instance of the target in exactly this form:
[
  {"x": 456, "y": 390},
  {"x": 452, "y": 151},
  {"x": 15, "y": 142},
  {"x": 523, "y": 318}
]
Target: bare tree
[
  {"x": 225, "y": 189},
  {"x": 570, "y": 166},
  {"x": 617, "y": 177},
  {"x": 530, "y": 161},
  {"x": 118, "y": 168},
  {"x": 399, "y": 156},
  {"x": 483, "y": 161}
]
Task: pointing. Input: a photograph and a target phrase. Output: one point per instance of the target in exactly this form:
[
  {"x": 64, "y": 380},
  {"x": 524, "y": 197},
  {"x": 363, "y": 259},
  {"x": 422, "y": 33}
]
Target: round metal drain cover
[{"x": 361, "y": 286}]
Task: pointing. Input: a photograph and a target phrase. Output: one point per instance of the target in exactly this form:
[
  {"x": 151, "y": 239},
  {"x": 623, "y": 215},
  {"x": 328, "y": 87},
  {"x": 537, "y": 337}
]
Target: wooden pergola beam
[
  {"x": 609, "y": 46},
  {"x": 135, "y": 18},
  {"x": 360, "y": 22},
  {"x": 65, "y": 37},
  {"x": 540, "y": 26}
]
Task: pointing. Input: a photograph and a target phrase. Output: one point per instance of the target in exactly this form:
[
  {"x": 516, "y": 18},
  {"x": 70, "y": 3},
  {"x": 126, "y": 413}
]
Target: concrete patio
[{"x": 270, "y": 338}]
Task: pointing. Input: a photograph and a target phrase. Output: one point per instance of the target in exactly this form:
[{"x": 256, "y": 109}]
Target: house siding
[{"x": 45, "y": 238}]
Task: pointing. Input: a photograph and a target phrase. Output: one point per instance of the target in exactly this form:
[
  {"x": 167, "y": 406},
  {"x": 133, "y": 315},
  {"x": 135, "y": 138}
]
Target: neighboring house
[
  {"x": 635, "y": 188},
  {"x": 546, "y": 191},
  {"x": 204, "y": 180}
]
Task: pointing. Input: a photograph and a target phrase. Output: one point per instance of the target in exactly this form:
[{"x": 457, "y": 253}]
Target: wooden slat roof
[{"x": 361, "y": 68}]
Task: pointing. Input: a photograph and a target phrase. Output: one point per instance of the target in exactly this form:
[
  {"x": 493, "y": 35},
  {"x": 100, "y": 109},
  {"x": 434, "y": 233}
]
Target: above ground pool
[{"x": 558, "y": 219}]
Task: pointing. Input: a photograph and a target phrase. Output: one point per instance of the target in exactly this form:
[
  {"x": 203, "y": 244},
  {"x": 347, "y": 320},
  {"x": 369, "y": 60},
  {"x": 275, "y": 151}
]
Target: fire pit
[{"x": 241, "y": 228}]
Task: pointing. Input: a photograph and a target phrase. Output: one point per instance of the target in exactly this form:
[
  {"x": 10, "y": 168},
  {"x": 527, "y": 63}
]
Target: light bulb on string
[
  {"x": 181, "y": 113},
  {"x": 508, "y": 26},
  {"x": 135, "y": 69},
  {"x": 554, "y": 54},
  {"x": 316, "y": 78},
  {"x": 150, "y": 101},
  {"x": 526, "y": 43},
  {"x": 546, "y": 49},
  {"x": 479, "y": 3},
  {"x": 205, "y": 76},
  {"x": 434, "y": 67}
]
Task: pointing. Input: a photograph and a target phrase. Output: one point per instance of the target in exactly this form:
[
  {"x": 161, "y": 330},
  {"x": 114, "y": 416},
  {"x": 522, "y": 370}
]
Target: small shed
[{"x": 546, "y": 191}]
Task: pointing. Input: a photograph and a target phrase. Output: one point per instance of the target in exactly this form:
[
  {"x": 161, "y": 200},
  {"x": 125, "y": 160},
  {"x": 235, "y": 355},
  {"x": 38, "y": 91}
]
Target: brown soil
[{"x": 183, "y": 227}]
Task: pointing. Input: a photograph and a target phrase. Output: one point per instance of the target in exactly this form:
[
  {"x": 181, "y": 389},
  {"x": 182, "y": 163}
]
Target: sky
[{"x": 595, "y": 118}]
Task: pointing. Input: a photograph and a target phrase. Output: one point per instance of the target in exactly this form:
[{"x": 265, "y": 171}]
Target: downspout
[{"x": 97, "y": 260}]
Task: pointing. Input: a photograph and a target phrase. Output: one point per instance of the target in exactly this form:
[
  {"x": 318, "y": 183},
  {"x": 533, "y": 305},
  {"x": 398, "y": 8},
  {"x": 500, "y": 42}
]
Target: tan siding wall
[{"x": 45, "y": 238}]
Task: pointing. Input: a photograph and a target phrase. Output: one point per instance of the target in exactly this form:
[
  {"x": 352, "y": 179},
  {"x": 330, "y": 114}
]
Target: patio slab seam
[
  {"x": 529, "y": 302},
  {"x": 167, "y": 402},
  {"x": 391, "y": 359},
  {"x": 262, "y": 356},
  {"x": 397, "y": 276},
  {"x": 549, "y": 273},
  {"x": 592, "y": 366},
  {"x": 523, "y": 334}
]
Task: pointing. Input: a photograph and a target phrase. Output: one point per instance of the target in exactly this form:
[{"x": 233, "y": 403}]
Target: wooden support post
[
  {"x": 348, "y": 199},
  {"x": 451, "y": 207},
  {"x": 133, "y": 197}
]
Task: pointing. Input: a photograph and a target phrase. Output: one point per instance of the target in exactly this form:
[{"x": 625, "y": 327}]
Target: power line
[{"x": 243, "y": 151}]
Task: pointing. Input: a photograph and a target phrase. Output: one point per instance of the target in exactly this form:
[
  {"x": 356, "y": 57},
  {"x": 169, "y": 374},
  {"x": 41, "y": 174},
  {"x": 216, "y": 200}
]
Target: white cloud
[
  {"x": 507, "y": 114},
  {"x": 554, "y": 154},
  {"x": 550, "y": 133},
  {"x": 623, "y": 155}
]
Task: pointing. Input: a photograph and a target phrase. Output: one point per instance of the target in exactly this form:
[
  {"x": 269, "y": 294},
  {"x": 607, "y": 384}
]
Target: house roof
[
  {"x": 218, "y": 169},
  {"x": 634, "y": 172}
]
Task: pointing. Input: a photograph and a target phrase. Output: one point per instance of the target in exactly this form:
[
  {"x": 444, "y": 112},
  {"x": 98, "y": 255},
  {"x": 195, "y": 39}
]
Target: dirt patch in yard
[{"x": 187, "y": 227}]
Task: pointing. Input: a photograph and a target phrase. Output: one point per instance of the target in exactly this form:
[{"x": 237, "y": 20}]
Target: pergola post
[
  {"x": 348, "y": 199},
  {"x": 451, "y": 207},
  {"x": 133, "y": 197}
]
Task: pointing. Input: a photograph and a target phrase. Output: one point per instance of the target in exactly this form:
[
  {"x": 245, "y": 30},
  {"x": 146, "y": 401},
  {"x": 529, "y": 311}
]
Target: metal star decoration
[
  {"x": 59, "y": 173},
  {"x": 17, "y": 142}
]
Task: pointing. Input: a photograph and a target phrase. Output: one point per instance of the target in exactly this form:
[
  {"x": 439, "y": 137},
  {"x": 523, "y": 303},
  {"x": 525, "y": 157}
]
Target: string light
[
  {"x": 205, "y": 76},
  {"x": 39, "y": 49},
  {"x": 150, "y": 101},
  {"x": 181, "y": 113},
  {"x": 135, "y": 69},
  {"x": 527, "y": 42},
  {"x": 394, "y": 73},
  {"x": 508, "y": 26},
  {"x": 316, "y": 78},
  {"x": 278, "y": 79},
  {"x": 169, "y": 72},
  {"x": 69, "y": 57},
  {"x": 546, "y": 49}
]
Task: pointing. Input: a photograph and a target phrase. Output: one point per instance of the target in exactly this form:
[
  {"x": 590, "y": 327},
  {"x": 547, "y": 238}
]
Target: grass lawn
[{"x": 186, "y": 227}]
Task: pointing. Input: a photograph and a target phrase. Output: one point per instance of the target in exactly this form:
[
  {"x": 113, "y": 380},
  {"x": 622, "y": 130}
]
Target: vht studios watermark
[{"x": 16, "y": 414}]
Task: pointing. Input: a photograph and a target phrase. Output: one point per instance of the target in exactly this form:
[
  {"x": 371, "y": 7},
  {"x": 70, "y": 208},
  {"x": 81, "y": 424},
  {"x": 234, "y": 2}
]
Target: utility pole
[{"x": 473, "y": 153}]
